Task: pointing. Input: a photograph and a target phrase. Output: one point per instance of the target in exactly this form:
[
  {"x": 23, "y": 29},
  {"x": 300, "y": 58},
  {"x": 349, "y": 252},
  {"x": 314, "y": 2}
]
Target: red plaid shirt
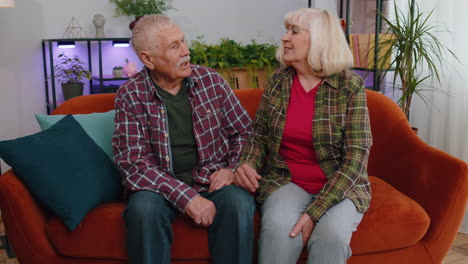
[{"x": 141, "y": 139}]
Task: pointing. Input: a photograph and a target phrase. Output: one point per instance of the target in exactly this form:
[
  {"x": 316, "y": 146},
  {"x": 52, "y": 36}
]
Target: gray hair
[
  {"x": 144, "y": 34},
  {"x": 329, "y": 52}
]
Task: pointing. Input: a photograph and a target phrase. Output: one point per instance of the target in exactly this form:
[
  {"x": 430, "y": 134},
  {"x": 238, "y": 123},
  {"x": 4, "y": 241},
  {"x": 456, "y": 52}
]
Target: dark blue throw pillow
[{"x": 64, "y": 169}]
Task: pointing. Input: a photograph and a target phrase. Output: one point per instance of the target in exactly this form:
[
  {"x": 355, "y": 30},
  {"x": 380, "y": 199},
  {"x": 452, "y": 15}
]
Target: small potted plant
[
  {"x": 117, "y": 71},
  {"x": 139, "y": 8},
  {"x": 70, "y": 72}
]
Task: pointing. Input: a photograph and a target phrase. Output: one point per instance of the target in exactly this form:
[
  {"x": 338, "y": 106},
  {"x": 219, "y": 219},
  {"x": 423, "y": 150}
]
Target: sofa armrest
[
  {"x": 433, "y": 178},
  {"x": 24, "y": 219}
]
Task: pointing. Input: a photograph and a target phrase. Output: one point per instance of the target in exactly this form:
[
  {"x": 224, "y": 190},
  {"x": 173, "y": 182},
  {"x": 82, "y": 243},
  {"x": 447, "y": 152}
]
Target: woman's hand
[
  {"x": 304, "y": 225},
  {"x": 246, "y": 177},
  {"x": 221, "y": 178}
]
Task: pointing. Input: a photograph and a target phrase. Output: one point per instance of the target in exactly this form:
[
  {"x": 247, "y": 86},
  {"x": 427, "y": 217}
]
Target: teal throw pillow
[
  {"x": 64, "y": 169},
  {"x": 99, "y": 126}
]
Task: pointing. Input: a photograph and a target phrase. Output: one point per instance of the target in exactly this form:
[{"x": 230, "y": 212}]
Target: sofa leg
[{"x": 7, "y": 246}]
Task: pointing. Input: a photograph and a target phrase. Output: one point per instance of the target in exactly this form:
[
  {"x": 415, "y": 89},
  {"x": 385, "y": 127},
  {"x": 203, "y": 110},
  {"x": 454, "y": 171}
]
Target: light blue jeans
[{"x": 329, "y": 242}]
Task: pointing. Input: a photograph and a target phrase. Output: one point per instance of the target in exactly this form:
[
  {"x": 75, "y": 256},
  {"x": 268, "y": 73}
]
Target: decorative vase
[
  {"x": 130, "y": 68},
  {"x": 117, "y": 73},
  {"x": 99, "y": 22},
  {"x": 132, "y": 24},
  {"x": 71, "y": 90}
]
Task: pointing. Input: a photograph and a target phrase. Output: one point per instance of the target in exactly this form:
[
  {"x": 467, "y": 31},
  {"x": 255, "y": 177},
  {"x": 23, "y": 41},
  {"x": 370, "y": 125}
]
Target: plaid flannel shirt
[
  {"x": 141, "y": 139},
  {"x": 341, "y": 133}
]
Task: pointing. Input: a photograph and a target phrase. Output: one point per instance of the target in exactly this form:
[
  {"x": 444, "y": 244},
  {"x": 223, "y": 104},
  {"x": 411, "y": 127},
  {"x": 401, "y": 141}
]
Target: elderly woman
[{"x": 311, "y": 145}]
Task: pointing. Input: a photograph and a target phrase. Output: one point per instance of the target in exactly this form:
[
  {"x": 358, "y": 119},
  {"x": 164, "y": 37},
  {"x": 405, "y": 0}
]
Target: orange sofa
[{"x": 419, "y": 199}]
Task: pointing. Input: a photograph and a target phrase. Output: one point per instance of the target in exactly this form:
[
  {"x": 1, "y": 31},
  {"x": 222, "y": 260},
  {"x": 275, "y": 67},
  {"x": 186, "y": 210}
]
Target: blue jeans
[
  {"x": 230, "y": 238},
  {"x": 330, "y": 238}
]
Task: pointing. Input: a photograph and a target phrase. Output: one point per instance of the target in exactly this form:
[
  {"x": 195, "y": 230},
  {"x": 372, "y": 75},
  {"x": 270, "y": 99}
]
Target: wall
[{"x": 22, "y": 90}]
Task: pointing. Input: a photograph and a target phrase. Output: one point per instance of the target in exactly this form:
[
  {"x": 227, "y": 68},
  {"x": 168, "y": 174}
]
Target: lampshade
[{"x": 7, "y": 3}]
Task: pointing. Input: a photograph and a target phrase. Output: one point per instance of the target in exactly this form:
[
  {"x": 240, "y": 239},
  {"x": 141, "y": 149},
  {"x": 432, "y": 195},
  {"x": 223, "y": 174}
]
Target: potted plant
[
  {"x": 70, "y": 72},
  {"x": 243, "y": 66},
  {"x": 117, "y": 71},
  {"x": 261, "y": 60},
  {"x": 414, "y": 52},
  {"x": 139, "y": 8}
]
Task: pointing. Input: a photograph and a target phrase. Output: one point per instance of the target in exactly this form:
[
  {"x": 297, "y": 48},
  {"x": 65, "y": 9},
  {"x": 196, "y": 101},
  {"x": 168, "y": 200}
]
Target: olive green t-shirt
[{"x": 181, "y": 136}]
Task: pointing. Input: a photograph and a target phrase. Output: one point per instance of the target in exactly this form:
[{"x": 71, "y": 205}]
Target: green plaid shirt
[{"x": 342, "y": 140}]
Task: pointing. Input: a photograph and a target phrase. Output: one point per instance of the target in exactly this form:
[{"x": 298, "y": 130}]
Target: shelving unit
[
  {"x": 48, "y": 57},
  {"x": 101, "y": 88},
  {"x": 378, "y": 29}
]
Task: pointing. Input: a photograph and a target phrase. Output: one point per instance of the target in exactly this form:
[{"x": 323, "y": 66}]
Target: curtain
[{"x": 444, "y": 123}]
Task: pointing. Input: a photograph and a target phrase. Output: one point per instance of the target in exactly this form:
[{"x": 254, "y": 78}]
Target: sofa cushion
[
  {"x": 250, "y": 99},
  {"x": 393, "y": 221},
  {"x": 99, "y": 126},
  {"x": 102, "y": 234},
  {"x": 65, "y": 169}
]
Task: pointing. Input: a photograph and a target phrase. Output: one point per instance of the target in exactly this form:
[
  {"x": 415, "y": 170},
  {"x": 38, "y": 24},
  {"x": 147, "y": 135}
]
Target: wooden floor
[{"x": 458, "y": 254}]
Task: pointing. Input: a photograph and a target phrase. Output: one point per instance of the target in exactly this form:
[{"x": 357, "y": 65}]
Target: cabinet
[{"x": 99, "y": 57}]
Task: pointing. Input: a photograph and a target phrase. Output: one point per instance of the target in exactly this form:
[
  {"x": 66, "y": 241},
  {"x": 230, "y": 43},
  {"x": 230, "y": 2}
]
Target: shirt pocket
[
  {"x": 337, "y": 127},
  {"x": 157, "y": 133},
  {"x": 209, "y": 116}
]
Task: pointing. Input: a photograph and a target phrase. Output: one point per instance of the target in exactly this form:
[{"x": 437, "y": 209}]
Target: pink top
[{"x": 297, "y": 148}]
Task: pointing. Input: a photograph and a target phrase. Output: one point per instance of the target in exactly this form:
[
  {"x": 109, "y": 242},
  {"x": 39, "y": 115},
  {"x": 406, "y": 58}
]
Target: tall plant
[{"x": 414, "y": 52}]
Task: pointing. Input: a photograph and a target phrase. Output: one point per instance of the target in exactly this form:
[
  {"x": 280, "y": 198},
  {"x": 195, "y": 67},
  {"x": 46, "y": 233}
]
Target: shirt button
[
  {"x": 167, "y": 158},
  {"x": 162, "y": 111},
  {"x": 166, "y": 135},
  {"x": 148, "y": 122},
  {"x": 208, "y": 111}
]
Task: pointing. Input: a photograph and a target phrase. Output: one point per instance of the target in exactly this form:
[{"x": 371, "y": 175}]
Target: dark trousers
[{"x": 230, "y": 238}]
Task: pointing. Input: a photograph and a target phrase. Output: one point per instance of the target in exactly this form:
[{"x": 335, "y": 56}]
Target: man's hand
[
  {"x": 221, "y": 178},
  {"x": 304, "y": 225},
  {"x": 247, "y": 178},
  {"x": 201, "y": 210}
]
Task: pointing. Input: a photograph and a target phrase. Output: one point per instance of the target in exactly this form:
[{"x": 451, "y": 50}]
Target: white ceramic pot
[{"x": 117, "y": 73}]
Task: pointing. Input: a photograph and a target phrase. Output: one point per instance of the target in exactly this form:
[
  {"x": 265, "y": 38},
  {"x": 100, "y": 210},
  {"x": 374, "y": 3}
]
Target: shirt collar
[
  {"x": 191, "y": 80},
  {"x": 332, "y": 80},
  {"x": 150, "y": 83}
]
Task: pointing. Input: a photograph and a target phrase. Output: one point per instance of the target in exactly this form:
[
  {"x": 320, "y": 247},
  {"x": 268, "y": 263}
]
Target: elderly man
[{"x": 179, "y": 132}]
